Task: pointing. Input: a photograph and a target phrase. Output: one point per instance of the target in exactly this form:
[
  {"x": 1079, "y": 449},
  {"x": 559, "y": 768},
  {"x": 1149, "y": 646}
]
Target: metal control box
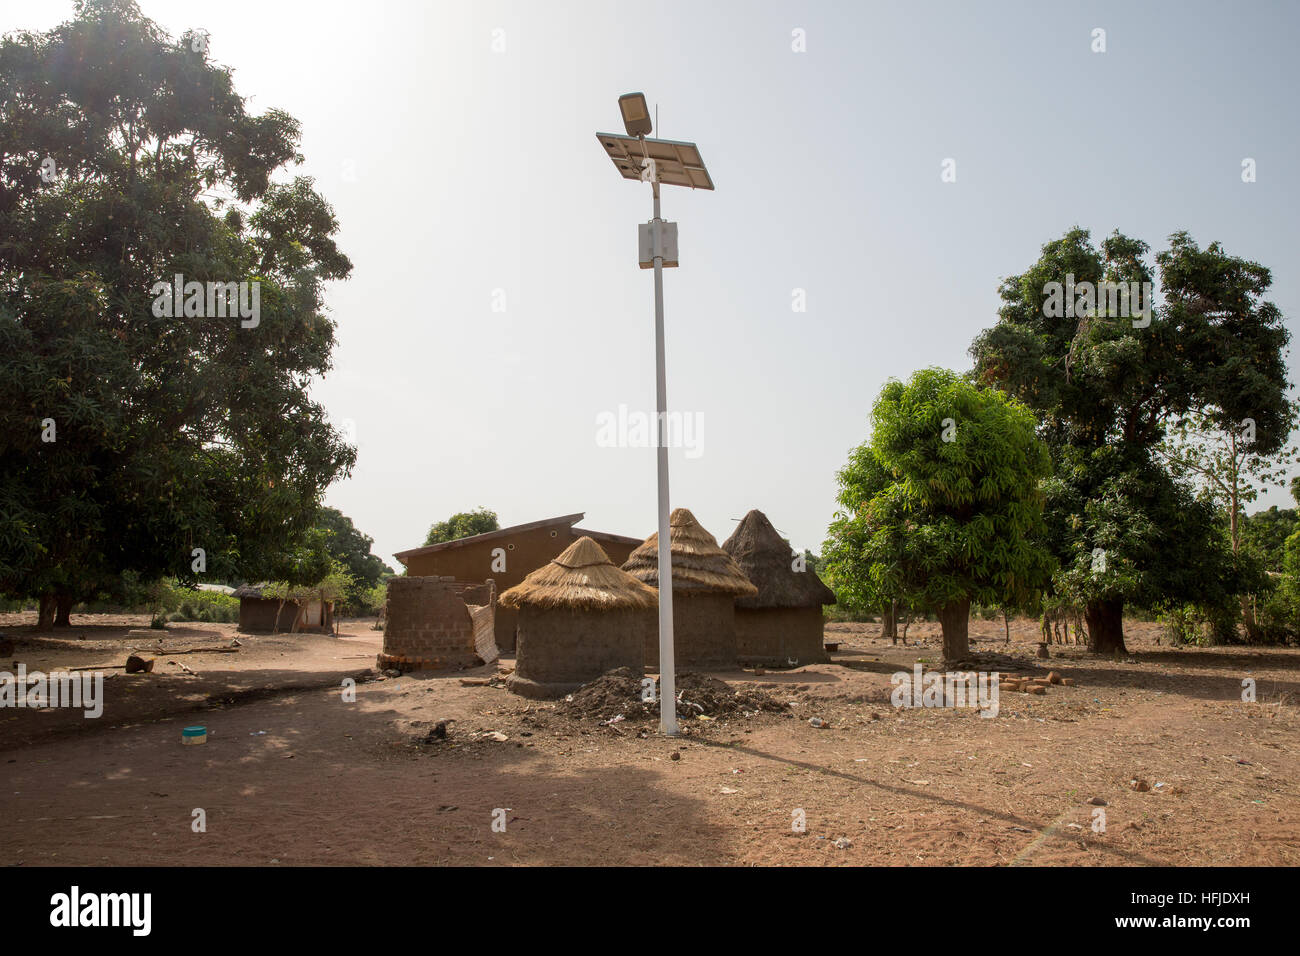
[{"x": 645, "y": 238}]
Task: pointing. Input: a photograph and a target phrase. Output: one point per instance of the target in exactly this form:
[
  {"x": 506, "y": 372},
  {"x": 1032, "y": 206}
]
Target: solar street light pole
[
  {"x": 658, "y": 162},
  {"x": 667, "y": 673}
]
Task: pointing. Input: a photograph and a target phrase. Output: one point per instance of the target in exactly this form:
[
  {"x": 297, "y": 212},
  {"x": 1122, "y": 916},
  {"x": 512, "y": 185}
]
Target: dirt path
[
  {"x": 307, "y": 778},
  {"x": 263, "y": 664}
]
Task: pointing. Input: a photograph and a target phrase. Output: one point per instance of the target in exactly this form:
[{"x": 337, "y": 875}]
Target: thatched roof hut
[
  {"x": 581, "y": 577},
  {"x": 579, "y": 616},
  {"x": 698, "y": 563},
  {"x": 767, "y": 560},
  {"x": 706, "y": 583},
  {"x": 781, "y": 625},
  {"x": 258, "y": 613}
]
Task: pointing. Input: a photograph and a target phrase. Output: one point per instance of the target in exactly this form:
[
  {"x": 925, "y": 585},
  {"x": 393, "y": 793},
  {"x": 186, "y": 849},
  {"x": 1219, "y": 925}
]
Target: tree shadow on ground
[{"x": 1119, "y": 855}]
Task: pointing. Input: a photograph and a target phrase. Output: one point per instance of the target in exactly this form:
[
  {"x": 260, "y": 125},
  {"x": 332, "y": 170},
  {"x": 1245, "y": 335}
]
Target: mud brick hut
[
  {"x": 783, "y": 622},
  {"x": 258, "y": 614},
  {"x": 706, "y": 583},
  {"x": 579, "y": 616},
  {"x": 521, "y": 549},
  {"x": 437, "y": 623}
]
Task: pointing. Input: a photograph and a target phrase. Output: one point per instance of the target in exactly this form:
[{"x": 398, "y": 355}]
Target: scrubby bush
[
  {"x": 1200, "y": 625},
  {"x": 208, "y": 607}
]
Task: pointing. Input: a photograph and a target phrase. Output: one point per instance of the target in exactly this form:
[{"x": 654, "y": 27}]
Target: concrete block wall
[{"x": 427, "y": 626}]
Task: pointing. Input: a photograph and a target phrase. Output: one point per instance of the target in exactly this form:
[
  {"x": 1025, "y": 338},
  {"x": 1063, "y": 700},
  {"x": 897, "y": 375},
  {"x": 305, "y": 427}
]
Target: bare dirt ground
[{"x": 293, "y": 774}]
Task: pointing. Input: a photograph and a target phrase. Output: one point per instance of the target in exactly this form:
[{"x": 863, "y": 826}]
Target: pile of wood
[{"x": 1032, "y": 685}]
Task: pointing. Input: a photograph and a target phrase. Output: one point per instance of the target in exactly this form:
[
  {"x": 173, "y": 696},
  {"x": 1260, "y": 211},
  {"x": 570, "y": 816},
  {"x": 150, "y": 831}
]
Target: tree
[
  {"x": 1124, "y": 531},
  {"x": 351, "y": 549},
  {"x": 1106, "y": 382},
  {"x": 131, "y": 434},
  {"x": 330, "y": 587},
  {"x": 942, "y": 506},
  {"x": 1265, "y": 533},
  {"x": 463, "y": 524},
  {"x": 844, "y": 559},
  {"x": 1226, "y": 465}
]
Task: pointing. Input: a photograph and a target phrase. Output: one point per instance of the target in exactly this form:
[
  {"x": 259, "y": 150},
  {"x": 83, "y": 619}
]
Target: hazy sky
[{"x": 457, "y": 169}]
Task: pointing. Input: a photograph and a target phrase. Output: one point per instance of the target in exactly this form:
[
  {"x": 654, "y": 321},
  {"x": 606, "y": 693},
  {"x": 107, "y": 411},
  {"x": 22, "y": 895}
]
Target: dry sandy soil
[{"x": 294, "y": 774}]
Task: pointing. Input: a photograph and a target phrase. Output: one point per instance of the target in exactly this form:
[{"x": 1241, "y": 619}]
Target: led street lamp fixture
[{"x": 636, "y": 115}]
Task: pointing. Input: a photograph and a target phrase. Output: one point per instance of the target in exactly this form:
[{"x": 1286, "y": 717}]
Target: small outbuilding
[
  {"x": 436, "y": 623},
  {"x": 780, "y": 626},
  {"x": 267, "y": 614},
  {"x": 706, "y": 583},
  {"x": 579, "y": 616}
]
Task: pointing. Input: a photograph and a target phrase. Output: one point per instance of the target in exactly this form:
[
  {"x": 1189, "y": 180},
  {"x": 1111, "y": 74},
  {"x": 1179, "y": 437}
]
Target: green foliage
[
  {"x": 942, "y": 504},
  {"x": 1224, "y": 462},
  {"x": 1106, "y": 392},
  {"x": 208, "y": 606},
  {"x": 333, "y": 585},
  {"x": 1265, "y": 533},
  {"x": 172, "y": 432},
  {"x": 464, "y": 524},
  {"x": 374, "y": 598},
  {"x": 351, "y": 549},
  {"x": 1123, "y": 530},
  {"x": 1199, "y": 625}
]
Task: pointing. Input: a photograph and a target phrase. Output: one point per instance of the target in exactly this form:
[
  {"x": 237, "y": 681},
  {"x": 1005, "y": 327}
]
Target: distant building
[
  {"x": 507, "y": 557},
  {"x": 216, "y": 588},
  {"x": 258, "y": 614}
]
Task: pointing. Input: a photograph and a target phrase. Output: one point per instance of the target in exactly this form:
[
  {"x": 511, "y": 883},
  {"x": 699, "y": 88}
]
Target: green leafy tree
[
  {"x": 844, "y": 559},
  {"x": 1265, "y": 533},
  {"x": 463, "y": 524},
  {"x": 1226, "y": 466},
  {"x": 1105, "y": 384},
  {"x": 1279, "y": 610},
  {"x": 942, "y": 506},
  {"x": 130, "y": 438},
  {"x": 1225, "y": 463},
  {"x": 351, "y": 549},
  {"x": 332, "y": 586}
]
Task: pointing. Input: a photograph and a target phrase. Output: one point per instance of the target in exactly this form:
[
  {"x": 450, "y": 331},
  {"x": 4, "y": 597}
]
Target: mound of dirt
[{"x": 618, "y": 693}]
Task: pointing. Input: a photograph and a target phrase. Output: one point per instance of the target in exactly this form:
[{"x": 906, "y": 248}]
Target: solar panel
[{"x": 678, "y": 164}]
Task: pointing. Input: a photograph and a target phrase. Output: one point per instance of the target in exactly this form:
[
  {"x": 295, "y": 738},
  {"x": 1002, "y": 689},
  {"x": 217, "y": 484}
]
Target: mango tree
[
  {"x": 1108, "y": 374},
  {"x": 942, "y": 506}
]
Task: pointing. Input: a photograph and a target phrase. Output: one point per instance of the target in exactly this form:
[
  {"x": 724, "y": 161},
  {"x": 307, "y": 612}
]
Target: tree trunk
[
  {"x": 889, "y": 622},
  {"x": 63, "y": 610},
  {"x": 1006, "y": 627},
  {"x": 1248, "y": 618},
  {"x": 954, "y": 619},
  {"x": 1105, "y": 627},
  {"x": 45, "y": 616}
]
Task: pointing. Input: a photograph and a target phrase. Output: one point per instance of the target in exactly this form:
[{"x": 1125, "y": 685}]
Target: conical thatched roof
[
  {"x": 767, "y": 560},
  {"x": 698, "y": 563},
  {"x": 582, "y": 577}
]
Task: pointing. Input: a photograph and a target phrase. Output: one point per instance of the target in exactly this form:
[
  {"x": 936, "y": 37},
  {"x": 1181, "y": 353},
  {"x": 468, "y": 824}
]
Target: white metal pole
[{"x": 667, "y": 673}]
